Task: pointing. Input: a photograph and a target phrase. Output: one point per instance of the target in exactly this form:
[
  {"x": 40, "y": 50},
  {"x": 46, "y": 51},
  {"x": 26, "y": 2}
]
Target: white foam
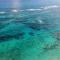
[
  {"x": 44, "y": 8},
  {"x": 49, "y": 7},
  {"x": 2, "y": 12},
  {"x": 14, "y": 10},
  {"x": 33, "y": 9},
  {"x": 40, "y": 21}
]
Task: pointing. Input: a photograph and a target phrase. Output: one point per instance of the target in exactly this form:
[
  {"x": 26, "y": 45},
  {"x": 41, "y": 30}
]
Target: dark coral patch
[
  {"x": 34, "y": 26},
  {"x": 9, "y": 36},
  {"x": 31, "y": 33}
]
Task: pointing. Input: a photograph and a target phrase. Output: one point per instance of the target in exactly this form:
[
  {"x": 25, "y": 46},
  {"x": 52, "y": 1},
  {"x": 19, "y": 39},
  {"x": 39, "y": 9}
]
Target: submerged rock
[
  {"x": 50, "y": 47},
  {"x": 31, "y": 33},
  {"x": 19, "y": 35},
  {"x": 34, "y": 26},
  {"x": 57, "y": 35}
]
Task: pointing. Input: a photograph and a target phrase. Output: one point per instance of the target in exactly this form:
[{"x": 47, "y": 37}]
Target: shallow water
[{"x": 30, "y": 35}]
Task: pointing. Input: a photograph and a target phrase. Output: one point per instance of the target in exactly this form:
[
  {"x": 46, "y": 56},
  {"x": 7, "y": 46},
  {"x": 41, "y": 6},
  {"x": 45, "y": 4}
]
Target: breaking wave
[
  {"x": 50, "y": 7},
  {"x": 32, "y": 9}
]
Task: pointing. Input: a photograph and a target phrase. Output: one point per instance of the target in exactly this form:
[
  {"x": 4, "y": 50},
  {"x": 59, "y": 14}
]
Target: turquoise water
[{"x": 30, "y": 35}]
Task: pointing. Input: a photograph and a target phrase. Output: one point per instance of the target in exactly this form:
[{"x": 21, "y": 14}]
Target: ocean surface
[{"x": 30, "y": 34}]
